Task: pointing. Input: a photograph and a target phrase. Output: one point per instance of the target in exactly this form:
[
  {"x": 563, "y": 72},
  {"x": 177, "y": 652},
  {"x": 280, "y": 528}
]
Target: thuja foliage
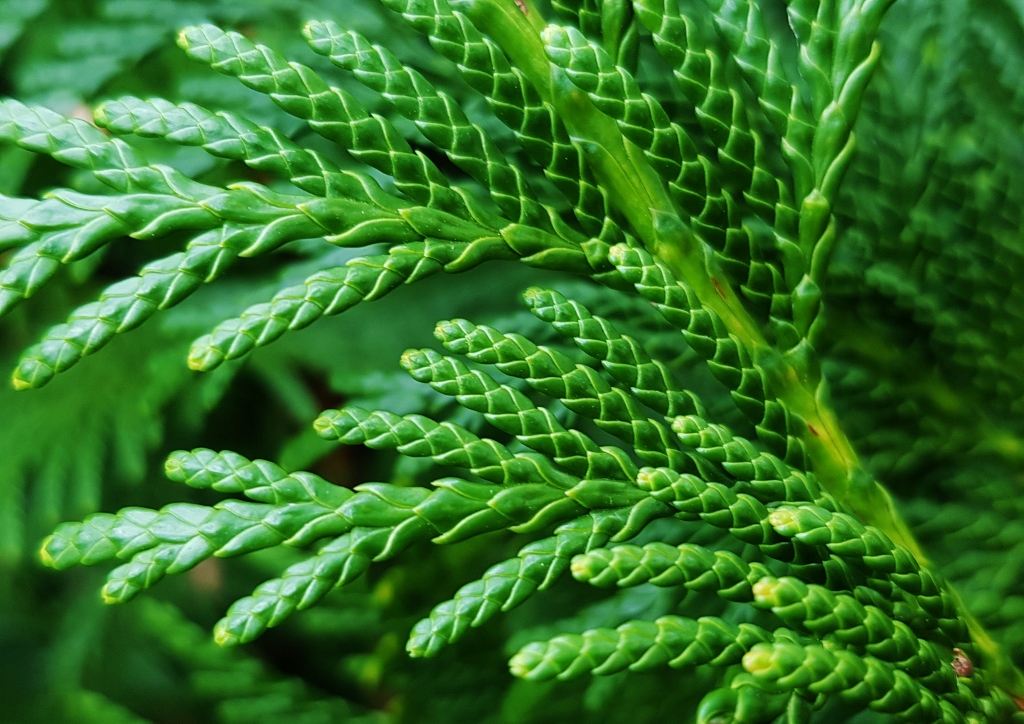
[{"x": 775, "y": 416}]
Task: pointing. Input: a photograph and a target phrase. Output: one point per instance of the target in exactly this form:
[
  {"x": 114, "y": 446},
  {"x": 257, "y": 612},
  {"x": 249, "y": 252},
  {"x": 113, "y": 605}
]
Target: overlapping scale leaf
[
  {"x": 624, "y": 358},
  {"x": 164, "y": 283},
  {"x": 377, "y": 521},
  {"x": 510, "y": 411},
  {"x": 515, "y": 101},
  {"x": 578, "y": 387},
  {"x": 642, "y": 645},
  {"x": 331, "y": 112},
  {"x": 185, "y": 204},
  {"x": 709, "y": 74},
  {"x": 538, "y": 566},
  {"x": 728, "y": 358},
  {"x": 332, "y": 291},
  {"x": 859, "y": 682},
  {"x": 226, "y": 135},
  {"x": 437, "y": 116}
]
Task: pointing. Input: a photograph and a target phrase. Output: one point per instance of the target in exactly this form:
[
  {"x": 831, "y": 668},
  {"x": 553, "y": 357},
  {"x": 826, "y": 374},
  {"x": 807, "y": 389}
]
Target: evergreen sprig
[{"x": 741, "y": 204}]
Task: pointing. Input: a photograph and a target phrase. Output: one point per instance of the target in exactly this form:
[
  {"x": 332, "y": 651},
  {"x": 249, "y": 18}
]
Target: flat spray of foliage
[{"x": 821, "y": 200}]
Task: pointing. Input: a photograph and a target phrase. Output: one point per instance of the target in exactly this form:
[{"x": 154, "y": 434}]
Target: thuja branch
[
  {"x": 641, "y": 196},
  {"x": 792, "y": 376}
]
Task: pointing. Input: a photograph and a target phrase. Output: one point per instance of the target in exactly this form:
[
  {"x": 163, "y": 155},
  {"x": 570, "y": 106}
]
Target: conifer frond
[
  {"x": 560, "y": 486},
  {"x": 809, "y": 220}
]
